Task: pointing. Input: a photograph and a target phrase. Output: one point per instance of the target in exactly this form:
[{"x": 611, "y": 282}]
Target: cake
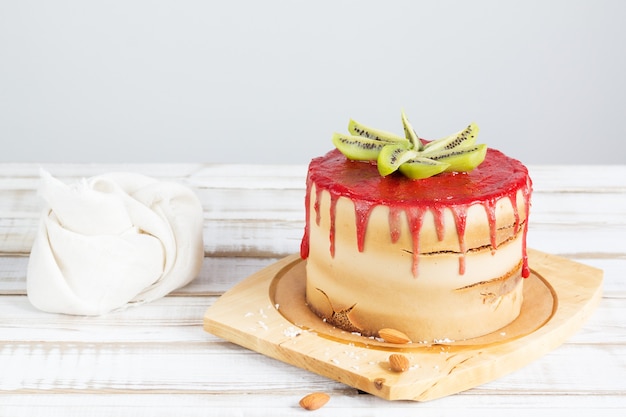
[{"x": 440, "y": 257}]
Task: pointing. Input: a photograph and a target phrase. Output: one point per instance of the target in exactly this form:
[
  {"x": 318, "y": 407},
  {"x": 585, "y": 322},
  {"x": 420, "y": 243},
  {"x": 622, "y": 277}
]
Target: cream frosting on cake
[{"x": 440, "y": 258}]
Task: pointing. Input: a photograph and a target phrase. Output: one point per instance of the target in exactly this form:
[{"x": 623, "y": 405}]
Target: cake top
[{"x": 497, "y": 176}]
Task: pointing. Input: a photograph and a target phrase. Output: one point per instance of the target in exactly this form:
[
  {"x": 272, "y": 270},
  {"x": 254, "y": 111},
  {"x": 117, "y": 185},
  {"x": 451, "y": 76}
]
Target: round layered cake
[{"x": 439, "y": 258}]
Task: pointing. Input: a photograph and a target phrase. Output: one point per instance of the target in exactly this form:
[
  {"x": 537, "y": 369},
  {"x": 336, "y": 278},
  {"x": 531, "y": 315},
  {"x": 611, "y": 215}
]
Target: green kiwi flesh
[
  {"x": 420, "y": 167},
  {"x": 358, "y": 148},
  {"x": 463, "y": 159},
  {"x": 392, "y": 156},
  {"x": 359, "y": 129},
  {"x": 465, "y": 137},
  {"x": 410, "y": 134}
]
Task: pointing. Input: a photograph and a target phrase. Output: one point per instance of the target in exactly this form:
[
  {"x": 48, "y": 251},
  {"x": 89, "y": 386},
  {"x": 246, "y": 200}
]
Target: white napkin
[{"x": 112, "y": 241}]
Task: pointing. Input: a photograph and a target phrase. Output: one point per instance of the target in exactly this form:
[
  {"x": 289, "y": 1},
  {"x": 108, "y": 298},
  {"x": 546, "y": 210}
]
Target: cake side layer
[
  {"x": 390, "y": 229},
  {"x": 423, "y": 315},
  {"x": 396, "y": 262}
]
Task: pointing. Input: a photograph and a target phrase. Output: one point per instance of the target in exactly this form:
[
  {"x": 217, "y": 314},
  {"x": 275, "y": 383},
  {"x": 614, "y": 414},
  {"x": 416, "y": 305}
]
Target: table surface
[{"x": 156, "y": 359}]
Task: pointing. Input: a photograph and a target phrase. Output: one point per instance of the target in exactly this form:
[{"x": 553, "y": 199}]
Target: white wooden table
[{"x": 157, "y": 360}]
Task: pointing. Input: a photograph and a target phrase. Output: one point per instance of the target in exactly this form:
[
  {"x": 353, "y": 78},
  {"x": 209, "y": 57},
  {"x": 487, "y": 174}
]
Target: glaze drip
[
  {"x": 439, "y": 225},
  {"x": 362, "y": 210},
  {"x": 333, "y": 221},
  {"x": 415, "y": 215},
  {"x": 394, "y": 223},
  {"x": 460, "y": 217},
  {"x": 490, "y": 208}
]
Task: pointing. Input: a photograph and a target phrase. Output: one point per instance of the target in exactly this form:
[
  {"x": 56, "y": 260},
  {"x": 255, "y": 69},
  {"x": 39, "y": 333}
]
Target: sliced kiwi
[
  {"x": 392, "y": 156},
  {"x": 409, "y": 154},
  {"x": 358, "y": 148},
  {"x": 465, "y": 137},
  {"x": 410, "y": 134},
  {"x": 359, "y": 129},
  {"x": 461, "y": 159},
  {"x": 420, "y": 167}
]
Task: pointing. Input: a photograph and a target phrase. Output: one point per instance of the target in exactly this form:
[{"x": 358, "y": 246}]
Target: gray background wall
[{"x": 269, "y": 81}]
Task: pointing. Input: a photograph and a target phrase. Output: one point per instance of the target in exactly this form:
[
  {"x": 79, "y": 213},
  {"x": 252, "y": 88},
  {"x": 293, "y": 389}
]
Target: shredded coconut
[{"x": 292, "y": 332}]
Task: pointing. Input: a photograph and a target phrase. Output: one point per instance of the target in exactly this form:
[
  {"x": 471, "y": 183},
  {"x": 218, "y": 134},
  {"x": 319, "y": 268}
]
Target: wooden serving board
[{"x": 266, "y": 313}]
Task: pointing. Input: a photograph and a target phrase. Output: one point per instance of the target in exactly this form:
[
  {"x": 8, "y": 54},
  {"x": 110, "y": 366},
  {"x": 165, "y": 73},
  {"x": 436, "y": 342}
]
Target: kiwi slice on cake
[
  {"x": 410, "y": 134},
  {"x": 392, "y": 156},
  {"x": 409, "y": 154},
  {"x": 420, "y": 167},
  {"x": 463, "y": 159},
  {"x": 359, "y": 129},
  {"x": 358, "y": 148},
  {"x": 464, "y": 137}
]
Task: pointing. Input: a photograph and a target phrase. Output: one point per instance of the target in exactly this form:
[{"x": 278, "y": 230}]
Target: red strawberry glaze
[{"x": 497, "y": 177}]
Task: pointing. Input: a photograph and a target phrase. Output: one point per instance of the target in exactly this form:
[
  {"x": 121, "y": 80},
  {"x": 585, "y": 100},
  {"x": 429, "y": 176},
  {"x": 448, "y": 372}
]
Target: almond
[
  {"x": 393, "y": 336},
  {"x": 314, "y": 400},
  {"x": 398, "y": 362},
  {"x": 379, "y": 383}
]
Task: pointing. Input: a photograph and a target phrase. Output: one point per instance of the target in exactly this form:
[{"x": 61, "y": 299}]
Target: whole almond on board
[
  {"x": 314, "y": 401},
  {"x": 398, "y": 362},
  {"x": 393, "y": 336}
]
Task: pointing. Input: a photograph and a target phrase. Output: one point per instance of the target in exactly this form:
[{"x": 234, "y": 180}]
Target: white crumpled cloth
[{"x": 112, "y": 241}]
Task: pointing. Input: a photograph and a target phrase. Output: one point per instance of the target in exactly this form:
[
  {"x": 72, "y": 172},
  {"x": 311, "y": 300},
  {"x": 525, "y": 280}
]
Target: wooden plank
[
  {"x": 288, "y": 206},
  {"x": 219, "y": 367},
  {"x": 146, "y": 367},
  {"x": 176, "y": 318},
  {"x": 578, "y": 239},
  {"x": 579, "y": 178},
  {"x": 476, "y": 403},
  {"x": 548, "y": 178},
  {"x": 203, "y": 363},
  {"x": 30, "y": 171},
  {"x": 219, "y": 274},
  {"x": 563, "y": 208},
  {"x": 276, "y": 238}
]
